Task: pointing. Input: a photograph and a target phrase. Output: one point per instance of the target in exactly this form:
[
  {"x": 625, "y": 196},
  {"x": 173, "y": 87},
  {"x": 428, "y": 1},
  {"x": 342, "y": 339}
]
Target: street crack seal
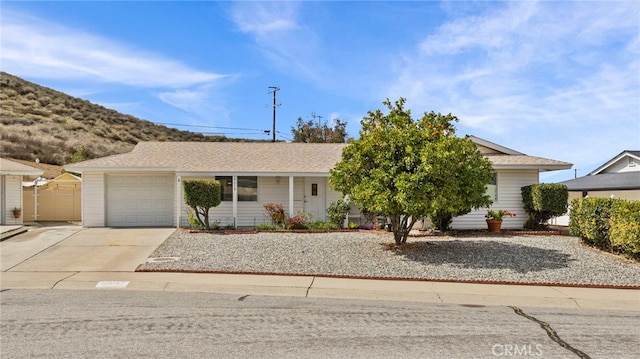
[{"x": 551, "y": 333}]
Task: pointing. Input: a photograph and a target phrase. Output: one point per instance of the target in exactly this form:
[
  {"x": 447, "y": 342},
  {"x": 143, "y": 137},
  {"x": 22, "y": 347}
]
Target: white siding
[
  {"x": 12, "y": 198},
  {"x": 623, "y": 165},
  {"x": 93, "y": 199},
  {"x": 251, "y": 213},
  {"x": 332, "y": 196},
  {"x": 510, "y": 183}
]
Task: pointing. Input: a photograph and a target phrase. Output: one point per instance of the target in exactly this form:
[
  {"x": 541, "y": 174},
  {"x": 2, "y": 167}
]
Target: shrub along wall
[
  {"x": 609, "y": 224},
  {"x": 625, "y": 226},
  {"x": 544, "y": 201}
]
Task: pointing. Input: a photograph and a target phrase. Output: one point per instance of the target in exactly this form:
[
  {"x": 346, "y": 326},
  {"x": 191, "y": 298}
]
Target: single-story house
[
  {"x": 143, "y": 187},
  {"x": 11, "y": 176},
  {"x": 617, "y": 178}
]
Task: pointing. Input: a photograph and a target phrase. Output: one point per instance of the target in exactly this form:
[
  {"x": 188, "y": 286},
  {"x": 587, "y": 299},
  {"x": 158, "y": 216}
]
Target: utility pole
[{"x": 274, "y": 89}]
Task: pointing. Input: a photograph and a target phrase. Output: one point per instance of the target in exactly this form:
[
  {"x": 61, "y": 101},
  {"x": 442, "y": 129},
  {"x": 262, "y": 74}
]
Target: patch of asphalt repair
[{"x": 551, "y": 333}]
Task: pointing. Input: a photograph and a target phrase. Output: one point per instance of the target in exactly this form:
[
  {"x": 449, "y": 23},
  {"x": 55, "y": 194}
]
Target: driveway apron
[{"x": 87, "y": 250}]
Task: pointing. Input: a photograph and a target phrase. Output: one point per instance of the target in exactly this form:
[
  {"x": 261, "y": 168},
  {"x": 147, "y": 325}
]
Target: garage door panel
[{"x": 140, "y": 200}]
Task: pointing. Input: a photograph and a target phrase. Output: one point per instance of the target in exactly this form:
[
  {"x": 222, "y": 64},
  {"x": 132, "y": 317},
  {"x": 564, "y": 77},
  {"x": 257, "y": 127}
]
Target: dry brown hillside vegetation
[{"x": 38, "y": 122}]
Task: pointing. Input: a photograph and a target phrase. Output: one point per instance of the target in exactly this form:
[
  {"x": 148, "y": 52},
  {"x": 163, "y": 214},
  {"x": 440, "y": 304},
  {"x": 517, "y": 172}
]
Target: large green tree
[
  {"x": 406, "y": 169},
  {"x": 316, "y": 132}
]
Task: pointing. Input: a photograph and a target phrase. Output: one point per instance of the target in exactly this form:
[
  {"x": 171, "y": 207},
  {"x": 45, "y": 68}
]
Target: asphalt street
[{"x": 151, "y": 324}]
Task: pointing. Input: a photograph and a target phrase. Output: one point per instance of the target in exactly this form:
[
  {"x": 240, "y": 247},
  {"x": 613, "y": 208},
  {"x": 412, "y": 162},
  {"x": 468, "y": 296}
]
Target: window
[
  {"x": 492, "y": 187},
  {"x": 247, "y": 188}
]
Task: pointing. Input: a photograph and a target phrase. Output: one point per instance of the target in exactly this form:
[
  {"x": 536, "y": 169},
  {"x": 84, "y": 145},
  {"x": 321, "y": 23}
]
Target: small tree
[
  {"x": 544, "y": 201},
  {"x": 407, "y": 170},
  {"x": 201, "y": 195}
]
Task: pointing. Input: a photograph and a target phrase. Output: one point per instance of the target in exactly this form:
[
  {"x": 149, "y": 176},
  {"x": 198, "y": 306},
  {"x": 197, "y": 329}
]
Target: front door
[{"x": 314, "y": 197}]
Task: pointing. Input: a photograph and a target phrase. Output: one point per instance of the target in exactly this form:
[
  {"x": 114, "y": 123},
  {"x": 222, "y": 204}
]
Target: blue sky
[{"x": 553, "y": 79}]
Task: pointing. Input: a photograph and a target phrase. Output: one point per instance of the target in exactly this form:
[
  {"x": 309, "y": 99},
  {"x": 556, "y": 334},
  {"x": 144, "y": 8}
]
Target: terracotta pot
[
  {"x": 494, "y": 225},
  {"x": 16, "y": 214}
]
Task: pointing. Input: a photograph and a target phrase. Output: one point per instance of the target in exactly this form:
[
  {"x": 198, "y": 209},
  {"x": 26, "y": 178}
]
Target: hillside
[{"x": 38, "y": 122}]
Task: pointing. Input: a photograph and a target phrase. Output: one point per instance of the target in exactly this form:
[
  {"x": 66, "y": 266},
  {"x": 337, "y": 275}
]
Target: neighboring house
[
  {"x": 617, "y": 178},
  {"x": 143, "y": 187},
  {"x": 50, "y": 196},
  {"x": 11, "y": 177},
  {"x": 49, "y": 171}
]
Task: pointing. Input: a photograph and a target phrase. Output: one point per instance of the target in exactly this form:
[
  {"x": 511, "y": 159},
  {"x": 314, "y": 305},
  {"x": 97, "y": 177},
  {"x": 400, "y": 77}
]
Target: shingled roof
[
  {"x": 605, "y": 182},
  {"x": 222, "y": 157},
  {"x": 8, "y": 167},
  {"x": 278, "y": 158}
]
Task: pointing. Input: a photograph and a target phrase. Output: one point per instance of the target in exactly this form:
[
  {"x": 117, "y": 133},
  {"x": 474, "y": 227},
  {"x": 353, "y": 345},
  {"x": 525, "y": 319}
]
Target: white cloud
[
  {"x": 554, "y": 79},
  {"x": 263, "y": 18},
  {"x": 37, "y": 48},
  {"x": 529, "y": 61},
  {"x": 291, "y": 47},
  {"x": 202, "y": 101}
]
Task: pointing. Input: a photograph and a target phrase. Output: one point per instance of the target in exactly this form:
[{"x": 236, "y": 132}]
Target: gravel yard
[{"x": 526, "y": 259}]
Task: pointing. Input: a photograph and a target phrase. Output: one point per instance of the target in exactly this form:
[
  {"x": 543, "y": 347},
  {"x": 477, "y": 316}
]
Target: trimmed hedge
[
  {"x": 609, "y": 224},
  {"x": 544, "y": 201},
  {"x": 625, "y": 226},
  {"x": 201, "y": 195}
]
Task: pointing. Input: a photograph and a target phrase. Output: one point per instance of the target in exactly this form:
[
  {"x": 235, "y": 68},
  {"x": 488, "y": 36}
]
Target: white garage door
[{"x": 140, "y": 200}]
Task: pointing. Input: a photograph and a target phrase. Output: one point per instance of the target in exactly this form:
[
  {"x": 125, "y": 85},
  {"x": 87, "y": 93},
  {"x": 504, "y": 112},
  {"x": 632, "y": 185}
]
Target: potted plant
[
  {"x": 16, "y": 212},
  {"x": 494, "y": 218}
]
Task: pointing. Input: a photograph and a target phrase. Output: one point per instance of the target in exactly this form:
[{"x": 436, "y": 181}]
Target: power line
[{"x": 206, "y": 126}]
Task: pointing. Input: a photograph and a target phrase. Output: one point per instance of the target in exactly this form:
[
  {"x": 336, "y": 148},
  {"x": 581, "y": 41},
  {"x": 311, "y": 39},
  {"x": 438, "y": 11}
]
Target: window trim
[
  {"x": 493, "y": 194},
  {"x": 226, "y": 182}
]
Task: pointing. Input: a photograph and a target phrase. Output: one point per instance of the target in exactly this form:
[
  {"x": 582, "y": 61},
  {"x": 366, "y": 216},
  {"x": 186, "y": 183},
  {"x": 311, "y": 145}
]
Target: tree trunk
[{"x": 401, "y": 226}]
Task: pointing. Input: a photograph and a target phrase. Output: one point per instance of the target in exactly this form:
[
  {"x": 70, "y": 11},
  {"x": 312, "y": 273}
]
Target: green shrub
[
  {"x": 442, "y": 220},
  {"x": 322, "y": 225},
  {"x": 589, "y": 220},
  {"x": 194, "y": 223},
  {"x": 353, "y": 225},
  {"x": 544, "y": 201},
  {"x": 625, "y": 227},
  {"x": 266, "y": 227},
  {"x": 337, "y": 212}
]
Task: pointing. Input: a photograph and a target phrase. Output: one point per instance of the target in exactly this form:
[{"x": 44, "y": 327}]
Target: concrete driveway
[{"x": 71, "y": 248}]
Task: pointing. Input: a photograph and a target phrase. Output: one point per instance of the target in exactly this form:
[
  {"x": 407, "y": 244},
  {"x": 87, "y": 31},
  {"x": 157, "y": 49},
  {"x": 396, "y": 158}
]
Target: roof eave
[
  {"x": 22, "y": 173},
  {"x": 118, "y": 169},
  {"x": 541, "y": 168},
  {"x": 622, "y": 188},
  {"x": 612, "y": 161}
]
